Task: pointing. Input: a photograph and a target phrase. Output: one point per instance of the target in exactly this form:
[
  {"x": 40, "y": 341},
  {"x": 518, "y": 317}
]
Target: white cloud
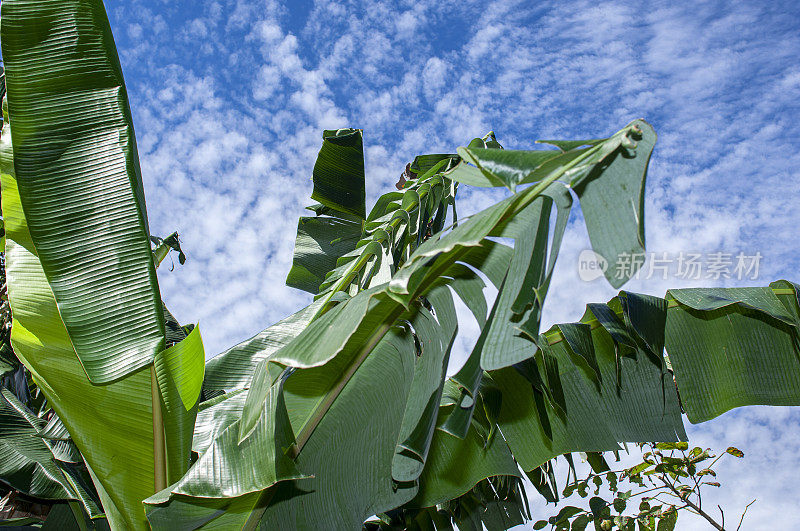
[
  {"x": 135, "y": 31},
  {"x": 434, "y": 76},
  {"x": 482, "y": 43}
]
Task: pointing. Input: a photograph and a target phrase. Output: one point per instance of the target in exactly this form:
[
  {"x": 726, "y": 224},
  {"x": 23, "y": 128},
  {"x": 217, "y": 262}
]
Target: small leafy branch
[{"x": 669, "y": 480}]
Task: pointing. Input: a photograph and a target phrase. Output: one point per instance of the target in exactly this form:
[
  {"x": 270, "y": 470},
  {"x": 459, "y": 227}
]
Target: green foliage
[
  {"x": 343, "y": 410},
  {"x": 88, "y": 320},
  {"x": 667, "y": 482}
]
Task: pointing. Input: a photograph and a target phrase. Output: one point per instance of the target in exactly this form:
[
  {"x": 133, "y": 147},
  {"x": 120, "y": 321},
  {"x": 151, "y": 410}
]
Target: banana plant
[{"x": 344, "y": 411}]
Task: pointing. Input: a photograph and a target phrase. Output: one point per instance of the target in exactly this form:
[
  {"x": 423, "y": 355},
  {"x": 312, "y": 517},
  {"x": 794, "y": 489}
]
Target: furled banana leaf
[
  {"x": 339, "y": 172},
  {"x": 179, "y": 371}
]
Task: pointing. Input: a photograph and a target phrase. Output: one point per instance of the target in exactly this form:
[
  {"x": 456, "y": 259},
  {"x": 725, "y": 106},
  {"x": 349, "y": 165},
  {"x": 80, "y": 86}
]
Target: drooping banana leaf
[
  {"x": 608, "y": 177},
  {"x": 547, "y": 412},
  {"x": 754, "y": 330},
  {"x": 520, "y": 301},
  {"x": 455, "y": 465},
  {"x": 34, "y": 463},
  {"x": 434, "y": 337},
  {"x": 612, "y": 203},
  {"x": 494, "y": 503},
  {"x": 734, "y": 347},
  {"x": 515, "y": 316}
]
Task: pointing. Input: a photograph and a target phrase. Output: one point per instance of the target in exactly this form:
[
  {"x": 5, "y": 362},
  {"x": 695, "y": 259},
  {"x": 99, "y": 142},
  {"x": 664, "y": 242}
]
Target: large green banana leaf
[
  {"x": 88, "y": 317},
  {"x": 748, "y": 345},
  {"x": 330, "y": 354},
  {"x": 103, "y": 420},
  {"x": 111, "y": 424},
  {"x": 79, "y": 181}
]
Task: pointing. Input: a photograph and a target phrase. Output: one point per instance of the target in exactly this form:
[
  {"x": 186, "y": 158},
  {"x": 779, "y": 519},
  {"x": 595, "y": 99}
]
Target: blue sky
[{"x": 229, "y": 99}]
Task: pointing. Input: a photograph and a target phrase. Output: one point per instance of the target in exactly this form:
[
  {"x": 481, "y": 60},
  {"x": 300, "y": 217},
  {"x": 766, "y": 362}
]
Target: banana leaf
[{"x": 88, "y": 317}]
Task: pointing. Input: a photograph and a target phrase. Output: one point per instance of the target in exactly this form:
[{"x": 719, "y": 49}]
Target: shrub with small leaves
[{"x": 668, "y": 481}]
